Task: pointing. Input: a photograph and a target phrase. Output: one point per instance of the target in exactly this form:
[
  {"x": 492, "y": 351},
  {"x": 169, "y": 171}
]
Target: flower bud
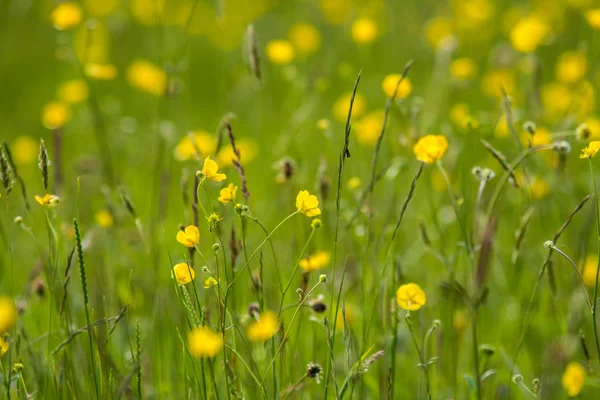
[
  {"x": 216, "y": 247},
  {"x": 323, "y": 278},
  {"x": 316, "y": 223},
  {"x": 18, "y": 220}
]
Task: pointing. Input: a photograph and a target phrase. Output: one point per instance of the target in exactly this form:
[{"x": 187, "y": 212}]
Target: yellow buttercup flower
[
  {"x": 430, "y": 148},
  {"x": 410, "y": 297},
  {"x": 183, "y": 273},
  {"x": 3, "y": 347},
  {"x": 210, "y": 171},
  {"x": 66, "y": 15},
  {"x": 305, "y": 37},
  {"x": 102, "y": 72},
  {"x": 147, "y": 77},
  {"x": 189, "y": 237},
  {"x": 463, "y": 68},
  {"x": 24, "y": 150},
  {"x": 540, "y": 137},
  {"x": 198, "y": 142},
  {"x": 528, "y": 33},
  {"x": 458, "y": 113},
  {"x": 438, "y": 31},
  {"x": 266, "y": 326},
  {"x": 388, "y": 85},
  {"x": 368, "y": 128},
  {"x": 55, "y": 115},
  {"x": 557, "y": 98},
  {"x": 308, "y": 204},
  {"x": 315, "y": 261},
  {"x": 539, "y": 188},
  {"x": 210, "y": 282},
  {"x": 342, "y": 104},
  {"x": 589, "y": 270},
  {"x": 227, "y": 195},
  {"x": 354, "y": 183},
  {"x": 8, "y": 314},
  {"x": 493, "y": 82},
  {"x": 104, "y": 218},
  {"x": 593, "y": 18},
  {"x": 573, "y": 379},
  {"x": 47, "y": 200},
  {"x": 591, "y": 150},
  {"x": 364, "y": 30},
  {"x": 280, "y": 52},
  {"x": 571, "y": 67},
  {"x": 204, "y": 343},
  {"x": 248, "y": 150},
  {"x": 73, "y": 92}
]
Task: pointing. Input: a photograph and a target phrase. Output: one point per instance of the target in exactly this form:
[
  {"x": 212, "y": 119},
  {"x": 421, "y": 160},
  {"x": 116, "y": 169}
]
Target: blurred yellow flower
[
  {"x": 101, "y": 71},
  {"x": 211, "y": 171},
  {"x": 183, "y": 273},
  {"x": 589, "y": 270},
  {"x": 104, "y": 218},
  {"x": 342, "y": 104},
  {"x": 227, "y": 195},
  {"x": 305, "y": 37},
  {"x": 280, "y": 52},
  {"x": 308, "y": 204},
  {"x": 210, "y": 282},
  {"x": 354, "y": 183},
  {"x": 540, "y": 137},
  {"x": 204, "y": 343},
  {"x": 266, "y": 326},
  {"x": 573, "y": 379},
  {"x": 66, "y": 15},
  {"x": 460, "y": 320},
  {"x": 430, "y": 148},
  {"x": 556, "y": 99},
  {"x": 368, "y": 128},
  {"x": 571, "y": 67},
  {"x": 24, "y": 150},
  {"x": 458, "y": 113},
  {"x": 323, "y": 124},
  {"x": 584, "y": 99},
  {"x": 335, "y": 11},
  {"x": 189, "y": 237},
  {"x": 73, "y": 91},
  {"x": 55, "y": 115},
  {"x": 591, "y": 150},
  {"x": 410, "y": 297},
  {"x": 3, "y": 347},
  {"x": 593, "y": 126},
  {"x": 388, "y": 85},
  {"x": 147, "y": 77},
  {"x": 315, "y": 261},
  {"x": 463, "y": 68},
  {"x": 350, "y": 317},
  {"x": 8, "y": 314},
  {"x": 539, "y": 188},
  {"x": 248, "y": 150},
  {"x": 494, "y": 80},
  {"x": 101, "y": 8},
  {"x": 47, "y": 200},
  {"x": 438, "y": 30},
  {"x": 198, "y": 142},
  {"x": 364, "y": 30},
  {"x": 147, "y": 12},
  {"x": 528, "y": 33},
  {"x": 593, "y": 18}
]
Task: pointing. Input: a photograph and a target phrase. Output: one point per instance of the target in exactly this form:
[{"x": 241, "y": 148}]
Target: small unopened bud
[
  {"x": 437, "y": 323},
  {"x": 549, "y": 244},
  {"x": 18, "y": 367},
  {"x": 316, "y": 223},
  {"x": 323, "y": 278},
  {"x": 205, "y": 269},
  {"x": 561, "y": 146},
  {"x": 199, "y": 174},
  {"x": 18, "y": 220},
  {"x": 517, "y": 378},
  {"x": 583, "y": 132},
  {"x": 253, "y": 309},
  {"x": 487, "y": 350},
  {"x": 216, "y": 247},
  {"x": 529, "y": 126}
]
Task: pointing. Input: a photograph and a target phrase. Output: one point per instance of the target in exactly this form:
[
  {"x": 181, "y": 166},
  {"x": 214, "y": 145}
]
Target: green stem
[
  {"x": 595, "y": 298},
  {"x": 421, "y": 360}
]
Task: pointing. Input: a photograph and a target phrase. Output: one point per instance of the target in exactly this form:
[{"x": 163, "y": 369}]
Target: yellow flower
[
  {"x": 227, "y": 195},
  {"x": 438, "y": 30},
  {"x": 3, "y": 347},
  {"x": 247, "y": 148},
  {"x": 210, "y": 171},
  {"x": 55, "y": 115},
  {"x": 189, "y": 237},
  {"x": 101, "y": 71},
  {"x": 308, "y": 204},
  {"x": 571, "y": 67},
  {"x": 410, "y": 297},
  {"x": 315, "y": 261},
  {"x": 198, "y": 142},
  {"x": 66, "y": 15},
  {"x": 368, "y": 128},
  {"x": 493, "y": 82},
  {"x": 101, "y": 8},
  {"x": 354, "y": 183},
  {"x": 342, "y": 104},
  {"x": 104, "y": 218},
  {"x": 388, "y": 85},
  {"x": 280, "y": 52},
  {"x": 364, "y": 30},
  {"x": 540, "y": 137},
  {"x": 323, "y": 124},
  {"x": 573, "y": 379},
  {"x": 204, "y": 343},
  {"x": 73, "y": 92},
  {"x": 539, "y": 188},
  {"x": 459, "y": 320},
  {"x": 593, "y": 18},
  {"x": 556, "y": 99},
  {"x": 458, "y": 113},
  {"x": 528, "y": 33},
  {"x": 8, "y": 314},
  {"x": 305, "y": 37},
  {"x": 210, "y": 282},
  {"x": 147, "y": 77},
  {"x": 48, "y": 200},
  {"x": 463, "y": 68},
  {"x": 24, "y": 150},
  {"x": 266, "y": 326},
  {"x": 183, "y": 273},
  {"x": 591, "y": 150},
  {"x": 593, "y": 125},
  {"x": 335, "y": 11},
  {"x": 589, "y": 270},
  {"x": 430, "y": 148}
]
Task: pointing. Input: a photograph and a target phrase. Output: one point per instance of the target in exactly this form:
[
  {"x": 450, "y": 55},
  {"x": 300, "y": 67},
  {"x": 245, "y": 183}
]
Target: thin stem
[
  {"x": 595, "y": 302},
  {"x": 421, "y": 360},
  {"x": 562, "y": 253}
]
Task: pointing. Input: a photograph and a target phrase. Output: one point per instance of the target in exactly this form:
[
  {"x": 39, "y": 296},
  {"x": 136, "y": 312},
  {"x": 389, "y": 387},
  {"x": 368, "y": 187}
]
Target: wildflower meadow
[{"x": 312, "y": 199}]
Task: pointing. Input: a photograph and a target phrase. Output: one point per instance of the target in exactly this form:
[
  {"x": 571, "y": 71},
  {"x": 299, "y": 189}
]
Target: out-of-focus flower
[
  {"x": 308, "y": 204},
  {"x": 73, "y": 92},
  {"x": 410, "y": 297},
  {"x": 101, "y": 8},
  {"x": 204, "y": 343},
  {"x": 266, "y": 326},
  {"x": 438, "y": 30},
  {"x": 593, "y": 18},
  {"x": 529, "y": 33},
  {"x": 463, "y": 68},
  {"x": 183, "y": 273},
  {"x": 8, "y": 314},
  {"x": 368, "y": 128},
  {"x": 458, "y": 113},
  {"x": 539, "y": 188},
  {"x": 364, "y": 31},
  {"x": 589, "y": 270},
  {"x": 103, "y": 72},
  {"x": 24, "y": 150},
  {"x": 3, "y": 347},
  {"x": 198, "y": 142},
  {"x": 342, "y": 104},
  {"x": 280, "y": 52},
  {"x": 354, "y": 183},
  {"x": 315, "y": 261},
  {"x": 305, "y": 38},
  {"x": 388, "y": 85},
  {"x": 335, "y": 11},
  {"x": 430, "y": 148},
  {"x": 104, "y": 219},
  {"x": 247, "y": 148},
  {"x": 494, "y": 80},
  {"x": 227, "y": 195},
  {"x": 66, "y": 15},
  {"x": 211, "y": 171},
  {"x": 147, "y": 12},
  {"x": 540, "y": 137},
  {"x": 55, "y": 115},
  {"x": 571, "y": 67},
  {"x": 593, "y": 127},
  {"x": 47, "y": 200},
  {"x": 591, "y": 150},
  {"x": 573, "y": 379},
  {"x": 147, "y": 77},
  {"x": 557, "y": 99}
]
